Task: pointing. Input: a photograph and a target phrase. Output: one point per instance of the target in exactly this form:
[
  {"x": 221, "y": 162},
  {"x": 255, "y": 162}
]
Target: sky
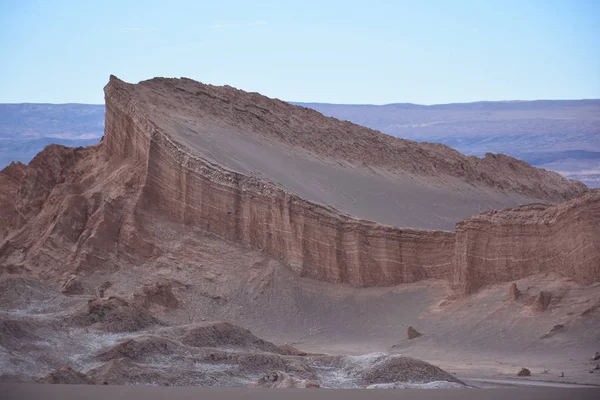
[{"x": 365, "y": 52}]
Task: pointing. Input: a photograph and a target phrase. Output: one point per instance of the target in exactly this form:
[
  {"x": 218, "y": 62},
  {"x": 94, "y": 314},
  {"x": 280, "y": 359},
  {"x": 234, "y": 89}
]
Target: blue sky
[{"x": 327, "y": 51}]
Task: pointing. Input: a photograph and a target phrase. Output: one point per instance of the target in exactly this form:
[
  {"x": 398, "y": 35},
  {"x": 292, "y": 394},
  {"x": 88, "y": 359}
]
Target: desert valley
[{"x": 216, "y": 237}]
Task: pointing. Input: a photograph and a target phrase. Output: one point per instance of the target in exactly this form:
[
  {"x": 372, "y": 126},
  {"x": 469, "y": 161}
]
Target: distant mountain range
[
  {"x": 27, "y": 128},
  {"x": 560, "y": 135}
]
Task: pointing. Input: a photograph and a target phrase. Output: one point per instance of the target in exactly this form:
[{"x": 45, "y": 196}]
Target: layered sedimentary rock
[
  {"x": 10, "y": 180},
  {"x": 503, "y": 246},
  {"x": 178, "y": 126},
  {"x": 315, "y": 240},
  {"x": 88, "y": 209}
]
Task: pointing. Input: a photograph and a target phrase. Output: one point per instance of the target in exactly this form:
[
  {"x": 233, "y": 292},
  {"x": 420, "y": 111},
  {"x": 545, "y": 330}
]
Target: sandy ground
[
  {"x": 484, "y": 339},
  {"x": 51, "y": 392},
  {"x": 391, "y": 198}
]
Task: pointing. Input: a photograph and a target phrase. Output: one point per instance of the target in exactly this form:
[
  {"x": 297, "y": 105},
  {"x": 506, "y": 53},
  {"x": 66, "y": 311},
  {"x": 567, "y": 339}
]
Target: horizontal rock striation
[
  {"x": 10, "y": 180},
  {"x": 314, "y": 240},
  {"x": 85, "y": 210},
  {"x": 503, "y": 246},
  {"x": 181, "y": 99}
]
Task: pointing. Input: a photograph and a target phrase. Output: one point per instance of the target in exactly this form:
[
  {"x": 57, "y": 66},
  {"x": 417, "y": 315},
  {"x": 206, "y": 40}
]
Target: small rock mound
[
  {"x": 292, "y": 351},
  {"x": 123, "y": 371},
  {"x": 73, "y": 286},
  {"x": 280, "y": 379},
  {"x": 386, "y": 368},
  {"x": 251, "y": 363},
  {"x": 543, "y": 301},
  {"x": 104, "y": 286},
  {"x": 224, "y": 334},
  {"x": 15, "y": 332},
  {"x": 555, "y": 329},
  {"x": 115, "y": 315},
  {"x": 140, "y": 348},
  {"x": 513, "y": 292},
  {"x": 412, "y": 333},
  {"x": 524, "y": 372},
  {"x": 66, "y": 375},
  {"x": 20, "y": 292},
  {"x": 159, "y": 293}
]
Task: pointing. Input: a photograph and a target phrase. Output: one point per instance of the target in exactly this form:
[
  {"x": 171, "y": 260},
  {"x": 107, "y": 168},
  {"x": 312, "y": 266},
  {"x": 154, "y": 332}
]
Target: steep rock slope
[
  {"x": 10, "y": 179},
  {"x": 503, "y": 246},
  {"x": 91, "y": 209},
  {"x": 307, "y": 129},
  {"x": 354, "y": 169},
  {"x": 315, "y": 240}
]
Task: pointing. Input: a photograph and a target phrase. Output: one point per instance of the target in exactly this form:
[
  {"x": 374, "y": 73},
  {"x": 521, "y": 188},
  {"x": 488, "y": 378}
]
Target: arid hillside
[
  {"x": 208, "y": 204},
  {"x": 276, "y": 178}
]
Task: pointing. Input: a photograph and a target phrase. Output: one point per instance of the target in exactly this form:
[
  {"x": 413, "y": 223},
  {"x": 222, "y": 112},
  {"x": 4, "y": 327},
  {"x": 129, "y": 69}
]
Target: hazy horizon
[{"x": 340, "y": 104}]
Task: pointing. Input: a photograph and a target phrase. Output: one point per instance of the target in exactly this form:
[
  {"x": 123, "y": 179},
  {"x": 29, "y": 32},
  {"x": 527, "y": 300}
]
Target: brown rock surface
[
  {"x": 72, "y": 286},
  {"x": 280, "y": 379},
  {"x": 10, "y": 180},
  {"x": 197, "y": 156},
  {"x": 513, "y": 292},
  {"x": 503, "y": 246},
  {"x": 156, "y": 293},
  {"x": 543, "y": 301},
  {"x": 114, "y": 315},
  {"x": 68, "y": 376},
  {"x": 412, "y": 333}
]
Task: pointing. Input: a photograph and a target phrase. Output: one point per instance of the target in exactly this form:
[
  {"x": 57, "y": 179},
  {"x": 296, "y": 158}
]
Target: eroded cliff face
[
  {"x": 314, "y": 240},
  {"x": 503, "y": 246},
  {"x": 88, "y": 210},
  {"x": 10, "y": 180}
]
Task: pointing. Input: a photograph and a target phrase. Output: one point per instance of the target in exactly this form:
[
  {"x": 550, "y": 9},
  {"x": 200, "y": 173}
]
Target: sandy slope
[
  {"x": 146, "y": 239},
  {"x": 357, "y": 170},
  {"x": 487, "y": 335}
]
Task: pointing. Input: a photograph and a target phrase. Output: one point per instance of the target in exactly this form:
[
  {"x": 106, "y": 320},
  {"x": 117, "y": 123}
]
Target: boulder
[
  {"x": 513, "y": 292},
  {"x": 543, "y": 301},
  {"x": 524, "y": 372},
  {"x": 412, "y": 333},
  {"x": 72, "y": 286}
]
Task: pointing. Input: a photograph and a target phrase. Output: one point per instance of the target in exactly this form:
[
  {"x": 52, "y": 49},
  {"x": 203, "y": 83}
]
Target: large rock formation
[
  {"x": 503, "y": 246},
  {"x": 10, "y": 180},
  {"x": 260, "y": 172}
]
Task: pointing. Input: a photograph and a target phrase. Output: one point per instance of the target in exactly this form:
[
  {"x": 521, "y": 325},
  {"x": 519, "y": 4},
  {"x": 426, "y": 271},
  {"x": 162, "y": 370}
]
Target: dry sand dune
[{"x": 354, "y": 169}]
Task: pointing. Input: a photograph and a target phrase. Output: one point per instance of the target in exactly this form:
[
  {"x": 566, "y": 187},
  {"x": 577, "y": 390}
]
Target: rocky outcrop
[
  {"x": 176, "y": 100},
  {"x": 84, "y": 210},
  {"x": 543, "y": 301},
  {"x": 412, "y": 333},
  {"x": 315, "y": 240},
  {"x": 66, "y": 376},
  {"x": 503, "y": 246},
  {"x": 280, "y": 380},
  {"x": 513, "y": 292},
  {"x": 72, "y": 286},
  {"x": 10, "y": 180},
  {"x": 159, "y": 293},
  {"x": 114, "y": 315}
]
